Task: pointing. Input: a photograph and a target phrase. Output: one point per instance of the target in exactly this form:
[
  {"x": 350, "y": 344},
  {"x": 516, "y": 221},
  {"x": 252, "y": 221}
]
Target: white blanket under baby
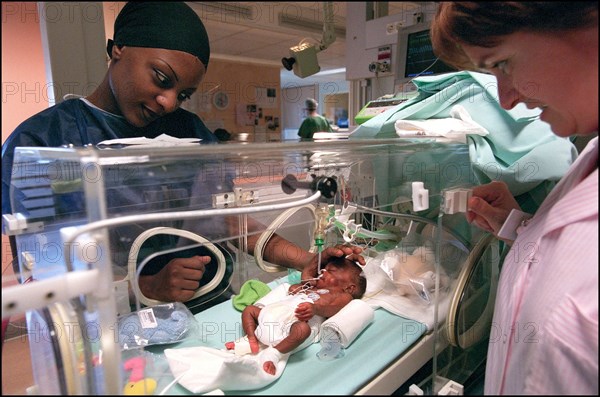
[
  {"x": 385, "y": 340},
  {"x": 204, "y": 369}
]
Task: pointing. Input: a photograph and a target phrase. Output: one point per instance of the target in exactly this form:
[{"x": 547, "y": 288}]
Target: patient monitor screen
[{"x": 420, "y": 59}]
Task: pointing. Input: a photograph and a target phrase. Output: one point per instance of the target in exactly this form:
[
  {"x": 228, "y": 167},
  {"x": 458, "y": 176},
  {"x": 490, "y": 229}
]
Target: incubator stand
[{"x": 85, "y": 220}]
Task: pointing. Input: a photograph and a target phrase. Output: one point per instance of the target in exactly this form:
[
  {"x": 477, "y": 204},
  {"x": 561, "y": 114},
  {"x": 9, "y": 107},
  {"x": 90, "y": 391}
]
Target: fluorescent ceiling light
[{"x": 331, "y": 71}]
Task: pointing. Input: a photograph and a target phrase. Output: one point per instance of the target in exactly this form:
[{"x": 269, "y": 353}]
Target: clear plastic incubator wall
[{"x": 89, "y": 222}]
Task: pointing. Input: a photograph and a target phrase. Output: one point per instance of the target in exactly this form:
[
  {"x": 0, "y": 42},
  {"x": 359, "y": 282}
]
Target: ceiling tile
[{"x": 263, "y": 39}]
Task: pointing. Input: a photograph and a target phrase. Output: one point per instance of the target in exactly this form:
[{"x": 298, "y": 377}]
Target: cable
[
  {"x": 426, "y": 69},
  {"x": 134, "y": 271},
  {"x": 167, "y": 387}
]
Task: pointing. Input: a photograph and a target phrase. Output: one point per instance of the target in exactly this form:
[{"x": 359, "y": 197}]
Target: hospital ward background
[{"x": 88, "y": 222}]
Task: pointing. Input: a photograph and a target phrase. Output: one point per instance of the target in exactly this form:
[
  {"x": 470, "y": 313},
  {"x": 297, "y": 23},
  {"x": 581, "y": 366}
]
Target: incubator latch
[
  {"x": 455, "y": 200},
  {"x": 420, "y": 197},
  {"x": 225, "y": 200},
  {"x": 451, "y": 388},
  {"x": 15, "y": 224},
  {"x": 246, "y": 197},
  {"x": 510, "y": 227},
  {"x": 238, "y": 198}
]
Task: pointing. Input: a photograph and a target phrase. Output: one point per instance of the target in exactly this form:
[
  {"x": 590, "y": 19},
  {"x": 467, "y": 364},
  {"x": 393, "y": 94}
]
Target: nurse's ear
[{"x": 117, "y": 51}]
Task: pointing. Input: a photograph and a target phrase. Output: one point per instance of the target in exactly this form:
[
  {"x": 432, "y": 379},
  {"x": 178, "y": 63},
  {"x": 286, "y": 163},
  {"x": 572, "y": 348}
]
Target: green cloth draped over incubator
[{"x": 520, "y": 149}]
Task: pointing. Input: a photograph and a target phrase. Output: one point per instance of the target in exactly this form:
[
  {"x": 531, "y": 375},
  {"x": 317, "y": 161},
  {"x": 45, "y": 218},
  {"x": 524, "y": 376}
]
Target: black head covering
[{"x": 168, "y": 25}]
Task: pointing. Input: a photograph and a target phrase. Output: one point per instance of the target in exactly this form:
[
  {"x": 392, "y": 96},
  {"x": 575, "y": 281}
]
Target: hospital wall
[
  {"x": 24, "y": 87},
  {"x": 254, "y": 96},
  {"x": 23, "y": 77}
]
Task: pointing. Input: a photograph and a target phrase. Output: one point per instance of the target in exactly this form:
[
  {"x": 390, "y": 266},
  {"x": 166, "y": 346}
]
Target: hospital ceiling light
[{"x": 331, "y": 71}]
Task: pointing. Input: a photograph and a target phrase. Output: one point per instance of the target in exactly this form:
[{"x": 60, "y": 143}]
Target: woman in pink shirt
[{"x": 544, "y": 335}]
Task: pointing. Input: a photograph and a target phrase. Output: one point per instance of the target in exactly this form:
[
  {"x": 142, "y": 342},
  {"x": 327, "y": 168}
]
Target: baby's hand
[{"x": 304, "y": 311}]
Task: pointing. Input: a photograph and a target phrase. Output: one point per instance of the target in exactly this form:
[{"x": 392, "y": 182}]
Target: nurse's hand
[
  {"x": 311, "y": 269},
  {"x": 490, "y": 205},
  {"x": 177, "y": 281}
]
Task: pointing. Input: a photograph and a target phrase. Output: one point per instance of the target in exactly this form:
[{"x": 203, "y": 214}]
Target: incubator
[{"x": 89, "y": 222}]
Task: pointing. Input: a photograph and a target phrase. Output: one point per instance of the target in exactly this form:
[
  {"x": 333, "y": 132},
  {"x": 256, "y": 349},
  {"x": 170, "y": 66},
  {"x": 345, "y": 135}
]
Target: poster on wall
[
  {"x": 266, "y": 97},
  {"x": 245, "y": 114}
]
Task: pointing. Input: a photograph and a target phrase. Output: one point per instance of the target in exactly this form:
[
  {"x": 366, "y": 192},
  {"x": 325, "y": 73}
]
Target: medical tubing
[
  {"x": 267, "y": 234},
  {"x": 365, "y": 233},
  {"x": 176, "y": 215},
  {"x": 136, "y": 271},
  {"x": 413, "y": 218},
  {"x": 319, "y": 261},
  {"x": 321, "y": 222}
]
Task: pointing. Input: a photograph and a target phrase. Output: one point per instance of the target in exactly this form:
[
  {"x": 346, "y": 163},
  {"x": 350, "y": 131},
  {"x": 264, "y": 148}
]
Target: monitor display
[
  {"x": 420, "y": 59},
  {"x": 415, "y": 55}
]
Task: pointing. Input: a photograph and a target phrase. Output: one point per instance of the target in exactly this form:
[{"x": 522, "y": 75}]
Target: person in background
[
  {"x": 314, "y": 122},
  {"x": 158, "y": 57},
  {"x": 544, "y": 335}
]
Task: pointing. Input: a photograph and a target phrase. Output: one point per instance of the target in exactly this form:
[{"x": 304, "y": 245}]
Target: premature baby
[{"x": 288, "y": 321}]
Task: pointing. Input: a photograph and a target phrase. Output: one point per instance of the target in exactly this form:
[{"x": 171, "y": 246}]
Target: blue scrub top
[{"x": 75, "y": 122}]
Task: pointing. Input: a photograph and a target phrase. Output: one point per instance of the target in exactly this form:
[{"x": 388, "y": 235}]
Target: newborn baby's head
[{"x": 344, "y": 275}]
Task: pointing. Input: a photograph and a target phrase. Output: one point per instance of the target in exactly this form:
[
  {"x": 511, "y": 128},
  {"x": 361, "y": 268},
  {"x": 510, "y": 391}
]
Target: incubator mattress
[{"x": 380, "y": 344}]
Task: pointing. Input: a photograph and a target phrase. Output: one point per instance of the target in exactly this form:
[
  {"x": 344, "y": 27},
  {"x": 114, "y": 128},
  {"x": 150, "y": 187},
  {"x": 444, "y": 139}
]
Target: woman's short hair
[{"x": 484, "y": 24}]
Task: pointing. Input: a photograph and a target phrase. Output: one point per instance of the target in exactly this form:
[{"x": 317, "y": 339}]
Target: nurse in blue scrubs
[{"x": 159, "y": 55}]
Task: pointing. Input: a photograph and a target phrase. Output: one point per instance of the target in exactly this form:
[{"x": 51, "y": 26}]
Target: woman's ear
[{"x": 117, "y": 50}]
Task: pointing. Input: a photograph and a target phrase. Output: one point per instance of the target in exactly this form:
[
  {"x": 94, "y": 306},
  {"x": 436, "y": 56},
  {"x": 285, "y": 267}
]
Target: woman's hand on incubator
[
  {"x": 177, "y": 281},
  {"x": 490, "y": 205}
]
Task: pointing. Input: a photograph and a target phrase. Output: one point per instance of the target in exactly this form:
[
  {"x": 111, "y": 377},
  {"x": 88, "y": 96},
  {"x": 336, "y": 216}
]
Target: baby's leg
[
  {"x": 249, "y": 323},
  {"x": 299, "y": 331}
]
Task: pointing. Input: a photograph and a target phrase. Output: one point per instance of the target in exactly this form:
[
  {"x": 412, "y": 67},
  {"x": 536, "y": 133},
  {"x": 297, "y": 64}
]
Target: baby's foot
[
  {"x": 269, "y": 367},
  {"x": 240, "y": 346},
  {"x": 270, "y": 358}
]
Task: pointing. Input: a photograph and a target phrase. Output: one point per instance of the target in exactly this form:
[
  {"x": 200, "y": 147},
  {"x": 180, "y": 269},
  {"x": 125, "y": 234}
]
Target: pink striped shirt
[{"x": 544, "y": 336}]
